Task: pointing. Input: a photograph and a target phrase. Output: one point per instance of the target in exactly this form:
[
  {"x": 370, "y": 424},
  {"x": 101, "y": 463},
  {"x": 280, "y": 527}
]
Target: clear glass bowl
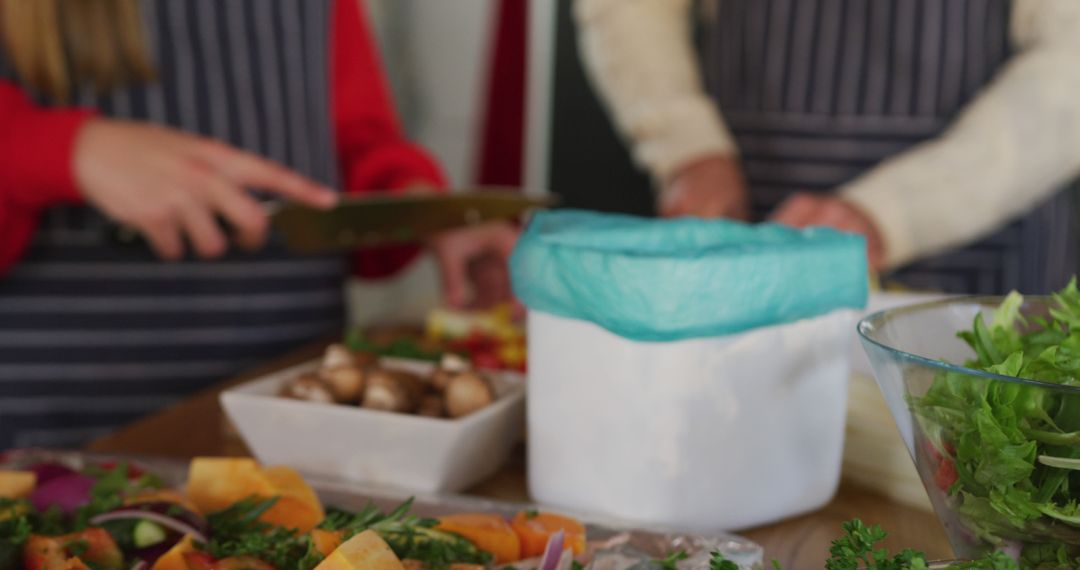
[{"x": 914, "y": 349}]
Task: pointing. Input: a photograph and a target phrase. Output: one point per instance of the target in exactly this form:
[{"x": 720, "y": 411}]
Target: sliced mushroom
[
  {"x": 450, "y": 366},
  {"x": 439, "y": 379},
  {"x": 308, "y": 387},
  {"x": 345, "y": 382},
  {"x": 466, "y": 393},
  {"x": 454, "y": 363},
  {"x": 413, "y": 383},
  {"x": 391, "y": 391},
  {"x": 431, "y": 406},
  {"x": 338, "y": 355}
]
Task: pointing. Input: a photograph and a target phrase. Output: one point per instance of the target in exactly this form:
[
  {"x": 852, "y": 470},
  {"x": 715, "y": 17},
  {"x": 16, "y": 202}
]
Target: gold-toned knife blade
[{"x": 383, "y": 220}]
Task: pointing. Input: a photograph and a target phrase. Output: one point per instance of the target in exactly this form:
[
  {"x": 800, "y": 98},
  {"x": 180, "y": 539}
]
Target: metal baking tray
[{"x": 602, "y": 534}]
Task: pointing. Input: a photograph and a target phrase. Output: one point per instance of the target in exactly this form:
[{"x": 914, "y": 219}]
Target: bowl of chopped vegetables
[{"x": 986, "y": 395}]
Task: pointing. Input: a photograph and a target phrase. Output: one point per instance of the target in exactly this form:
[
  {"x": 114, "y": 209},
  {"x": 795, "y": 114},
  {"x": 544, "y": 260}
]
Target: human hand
[
  {"x": 170, "y": 185},
  {"x": 804, "y": 210},
  {"x": 476, "y": 258},
  {"x": 710, "y": 188}
]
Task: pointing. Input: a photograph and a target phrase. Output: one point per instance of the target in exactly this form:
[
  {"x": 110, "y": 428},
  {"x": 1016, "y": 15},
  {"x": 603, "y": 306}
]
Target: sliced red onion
[
  {"x": 168, "y": 522},
  {"x": 66, "y": 492},
  {"x": 171, "y": 510},
  {"x": 566, "y": 561},
  {"x": 140, "y": 565},
  {"x": 553, "y": 551}
]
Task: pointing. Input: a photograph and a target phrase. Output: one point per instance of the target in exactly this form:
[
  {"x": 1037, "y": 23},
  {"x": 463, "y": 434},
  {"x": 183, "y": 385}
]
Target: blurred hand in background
[
  {"x": 709, "y": 188},
  {"x": 804, "y": 210},
  {"x": 476, "y": 260}
]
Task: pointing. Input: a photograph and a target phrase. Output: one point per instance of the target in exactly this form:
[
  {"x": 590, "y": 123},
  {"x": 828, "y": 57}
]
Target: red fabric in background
[
  {"x": 36, "y": 171},
  {"x": 502, "y": 135}
]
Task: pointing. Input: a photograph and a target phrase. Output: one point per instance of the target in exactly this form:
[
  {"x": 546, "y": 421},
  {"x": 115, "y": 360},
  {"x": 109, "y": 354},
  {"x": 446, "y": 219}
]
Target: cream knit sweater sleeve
[
  {"x": 639, "y": 56},
  {"x": 1012, "y": 146}
]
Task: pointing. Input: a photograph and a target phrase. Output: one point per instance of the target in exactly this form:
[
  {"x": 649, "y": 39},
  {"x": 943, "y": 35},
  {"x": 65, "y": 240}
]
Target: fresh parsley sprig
[{"x": 856, "y": 549}]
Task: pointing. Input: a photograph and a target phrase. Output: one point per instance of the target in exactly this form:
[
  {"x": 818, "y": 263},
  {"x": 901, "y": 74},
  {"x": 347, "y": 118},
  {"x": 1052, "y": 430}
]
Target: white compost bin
[{"x": 664, "y": 390}]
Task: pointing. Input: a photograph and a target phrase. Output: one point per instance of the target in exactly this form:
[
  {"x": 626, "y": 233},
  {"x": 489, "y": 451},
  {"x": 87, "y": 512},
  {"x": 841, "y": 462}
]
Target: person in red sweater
[{"x": 163, "y": 116}]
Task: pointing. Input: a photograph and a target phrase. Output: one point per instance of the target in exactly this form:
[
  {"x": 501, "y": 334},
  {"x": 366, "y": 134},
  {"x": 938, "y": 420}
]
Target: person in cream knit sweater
[{"x": 942, "y": 130}]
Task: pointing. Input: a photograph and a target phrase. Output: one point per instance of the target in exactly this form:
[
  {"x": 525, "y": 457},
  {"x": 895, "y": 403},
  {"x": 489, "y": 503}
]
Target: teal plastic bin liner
[{"x": 664, "y": 280}]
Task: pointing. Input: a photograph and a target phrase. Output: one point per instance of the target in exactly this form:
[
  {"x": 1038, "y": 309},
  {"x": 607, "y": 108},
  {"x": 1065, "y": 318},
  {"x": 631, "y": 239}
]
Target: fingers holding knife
[{"x": 171, "y": 187}]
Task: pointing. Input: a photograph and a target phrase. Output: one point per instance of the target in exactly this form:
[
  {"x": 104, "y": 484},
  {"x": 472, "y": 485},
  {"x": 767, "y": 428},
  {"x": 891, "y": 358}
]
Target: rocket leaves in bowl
[{"x": 1005, "y": 452}]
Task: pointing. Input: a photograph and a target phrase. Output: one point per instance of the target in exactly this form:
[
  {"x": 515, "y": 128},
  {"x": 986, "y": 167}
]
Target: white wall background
[{"x": 436, "y": 54}]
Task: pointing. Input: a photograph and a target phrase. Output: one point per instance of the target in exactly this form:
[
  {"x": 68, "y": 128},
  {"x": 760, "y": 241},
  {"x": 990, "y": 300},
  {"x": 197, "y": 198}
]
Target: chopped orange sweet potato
[
  {"x": 365, "y": 551},
  {"x": 17, "y": 484},
  {"x": 215, "y": 483},
  {"x": 297, "y": 507},
  {"x": 490, "y": 533},
  {"x": 326, "y": 541},
  {"x": 534, "y": 529}
]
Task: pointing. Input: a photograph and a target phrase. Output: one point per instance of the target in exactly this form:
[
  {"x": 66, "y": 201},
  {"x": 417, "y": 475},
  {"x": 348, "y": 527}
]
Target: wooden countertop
[{"x": 197, "y": 427}]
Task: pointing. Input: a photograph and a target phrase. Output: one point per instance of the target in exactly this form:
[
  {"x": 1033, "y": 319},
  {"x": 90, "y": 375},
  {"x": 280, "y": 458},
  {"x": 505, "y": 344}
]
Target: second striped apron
[
  {"x": 818, "y": 92},
  {"x": 93, "y": 335}
]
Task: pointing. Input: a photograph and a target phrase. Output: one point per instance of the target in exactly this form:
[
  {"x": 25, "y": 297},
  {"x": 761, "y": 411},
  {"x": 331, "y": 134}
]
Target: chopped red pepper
[
  {"x": 946, "y": 475},
  {"x": 487, "y": 360}
]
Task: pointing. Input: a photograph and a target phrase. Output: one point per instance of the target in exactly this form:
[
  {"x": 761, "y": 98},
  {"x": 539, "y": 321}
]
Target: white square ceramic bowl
[{"x": 377, "y": 448}]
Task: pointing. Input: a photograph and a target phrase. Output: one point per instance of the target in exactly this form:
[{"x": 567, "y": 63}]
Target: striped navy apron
[
  {"x": 817, "y": 92},
  {"x": 93, "y": 335}
]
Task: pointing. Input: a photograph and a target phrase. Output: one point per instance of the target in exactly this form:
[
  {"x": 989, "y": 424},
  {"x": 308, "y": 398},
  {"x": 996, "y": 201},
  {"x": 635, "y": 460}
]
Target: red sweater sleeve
[
  {"x": 373, "y": 150},
  {"x": 36, "y": 170}
]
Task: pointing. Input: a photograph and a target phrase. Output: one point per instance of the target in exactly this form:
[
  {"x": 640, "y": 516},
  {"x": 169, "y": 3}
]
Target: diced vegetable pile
[
  {"x": 237, "y": 515},
  {"x": 490, "y": 340}
]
